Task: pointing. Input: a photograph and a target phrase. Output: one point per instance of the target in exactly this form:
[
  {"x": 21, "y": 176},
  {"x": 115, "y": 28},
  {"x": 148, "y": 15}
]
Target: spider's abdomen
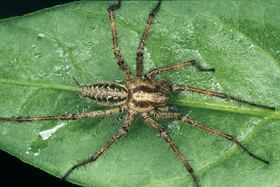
[
  {"x": 143, "y": 97},
  {"x": 106, "y": 93}
]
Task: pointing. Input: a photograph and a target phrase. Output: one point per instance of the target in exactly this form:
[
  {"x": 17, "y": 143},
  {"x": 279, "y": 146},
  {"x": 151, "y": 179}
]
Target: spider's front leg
[
  {"x": 122, "y": 131},
  {"x": 151, "y": 123},
  {"x": 152, "y": 74},
  {"x": 177, "y": 116},
  {"x": 120, "y": 61},
  {"x": 175, "y": 88},
  {"x": 139, "y": 58}
]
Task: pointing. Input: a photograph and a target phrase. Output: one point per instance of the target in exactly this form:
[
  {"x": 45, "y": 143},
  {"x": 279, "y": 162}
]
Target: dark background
[
  {"x": 13, "y": 8},
  {"x": 13, "y": 171}
]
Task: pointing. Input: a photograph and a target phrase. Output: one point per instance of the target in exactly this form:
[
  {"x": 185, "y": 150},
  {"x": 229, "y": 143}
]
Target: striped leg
[
  {"x": 120, "y": 61},
  {"x": 122, "y": 131},
  {"x": 76, "y": 116},
  {"x": 167, "y": 138},
  {"x": 177, "y": 116},
  {"x": 215, "y": 94},
  {"x": 152, "y": 74},
  {"x": 139, "y": 58}
]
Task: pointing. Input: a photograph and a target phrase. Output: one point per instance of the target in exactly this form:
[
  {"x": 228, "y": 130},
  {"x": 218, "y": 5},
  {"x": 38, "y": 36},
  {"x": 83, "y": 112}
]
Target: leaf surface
[{"x": 41, "y": 52}]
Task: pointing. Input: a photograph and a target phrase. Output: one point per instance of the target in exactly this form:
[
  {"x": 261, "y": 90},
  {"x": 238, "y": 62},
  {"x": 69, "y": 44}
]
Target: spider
[{"x": 142, "y": 95}]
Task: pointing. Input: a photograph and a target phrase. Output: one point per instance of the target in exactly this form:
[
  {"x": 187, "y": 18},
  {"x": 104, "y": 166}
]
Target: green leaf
[{"x": 41, "y": 52}]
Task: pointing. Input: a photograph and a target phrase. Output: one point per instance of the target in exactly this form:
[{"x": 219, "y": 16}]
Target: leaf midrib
[{"x": 179, "y": 102}]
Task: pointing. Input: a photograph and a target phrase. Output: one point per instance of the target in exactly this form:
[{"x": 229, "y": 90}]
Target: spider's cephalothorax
[
  {"x": 141, "y": 95},
  {"x": 145, "y": 96}
]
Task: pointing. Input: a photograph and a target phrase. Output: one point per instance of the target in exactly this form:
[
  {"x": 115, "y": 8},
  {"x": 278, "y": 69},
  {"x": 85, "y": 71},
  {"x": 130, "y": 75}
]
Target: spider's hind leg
[
  {"x": 122, "y": 131},
  {"x": 151, "y": 123},
  {"x": 177, "y": 116}
]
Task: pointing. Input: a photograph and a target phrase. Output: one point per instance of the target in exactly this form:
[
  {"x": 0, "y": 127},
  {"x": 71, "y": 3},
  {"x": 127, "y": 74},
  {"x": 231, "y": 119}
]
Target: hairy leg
[
  {"x": 75, "y": 116},
  {"x": 151, "y": 123},
  {"x": 177, "y": 116},
  {"x": 172, "y": 109},
  {"x": 120, "y": 61},
  {"x": 215, "y": 94},
  {"x": 152, "y": 74},
  {"x": 139, "y": 58},
  {"x": 122, "y": 131}
]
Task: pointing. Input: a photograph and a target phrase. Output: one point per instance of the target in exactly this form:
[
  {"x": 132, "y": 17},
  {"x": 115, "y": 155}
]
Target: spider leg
[
  {"x": 171, "y": 109},
  {"x": 121, "y": 63},
  {"x": 75, "y": 116},
  {"x": 152, "y": 74},
  {"x": 177, "y": 116},
  {"x": 215, "y": 94},
  {"x": 139, "y": 58},
  {"x": 122, "y": 131},
  {"x": 151, "y": 123}
]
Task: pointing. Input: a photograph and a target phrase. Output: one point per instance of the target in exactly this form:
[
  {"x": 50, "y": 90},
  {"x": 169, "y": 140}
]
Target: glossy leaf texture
[{"x": 42, "y": 51}]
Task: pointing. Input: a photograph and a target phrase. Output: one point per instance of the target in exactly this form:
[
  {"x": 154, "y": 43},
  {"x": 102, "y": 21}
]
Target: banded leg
[
  {"x": 171, "y": 109},
  {"x": 76, "y": 116},
  {"x": 177, "y": 116},
  {"x": 215, "y": 94},
  {"x": 120, "y": 61},
  {"x": 167, "y": 138},
  {"x": 152, "y": 74},
  {"x": 122, "y": 131},
  {"x": 139, "y": 58}
]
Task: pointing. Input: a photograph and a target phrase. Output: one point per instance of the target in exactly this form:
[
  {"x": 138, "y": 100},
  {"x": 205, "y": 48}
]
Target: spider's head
[{"x": 144, "y": 97}]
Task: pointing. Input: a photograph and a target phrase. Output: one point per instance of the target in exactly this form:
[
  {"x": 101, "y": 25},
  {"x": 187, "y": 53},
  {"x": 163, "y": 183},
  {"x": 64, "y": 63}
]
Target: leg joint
[
  {"x": 121, "y": 62},
  {"x": 146, "y": 117},
  {"x": 131, "y": 114},
  {"x": 163, "y": 131},
  {"x": 193, "y": 62},
  {"x": 155, "y": 114},
  {"x": 180, "y": 117},
  {"x": 152, "y": 15},
  {"x": 73, "y": 116},
  {"x": 125, "y": 129},
  {"x": 20, "y": 119},
  {"x": 139, "y": 54},
  {"x": 121, "y": 109},
  {"x": 229, "y": 137}
]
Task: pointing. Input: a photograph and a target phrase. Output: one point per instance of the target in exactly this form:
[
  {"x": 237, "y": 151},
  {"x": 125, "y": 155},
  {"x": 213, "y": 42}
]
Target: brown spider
[{"x": 141, "y": 95}]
